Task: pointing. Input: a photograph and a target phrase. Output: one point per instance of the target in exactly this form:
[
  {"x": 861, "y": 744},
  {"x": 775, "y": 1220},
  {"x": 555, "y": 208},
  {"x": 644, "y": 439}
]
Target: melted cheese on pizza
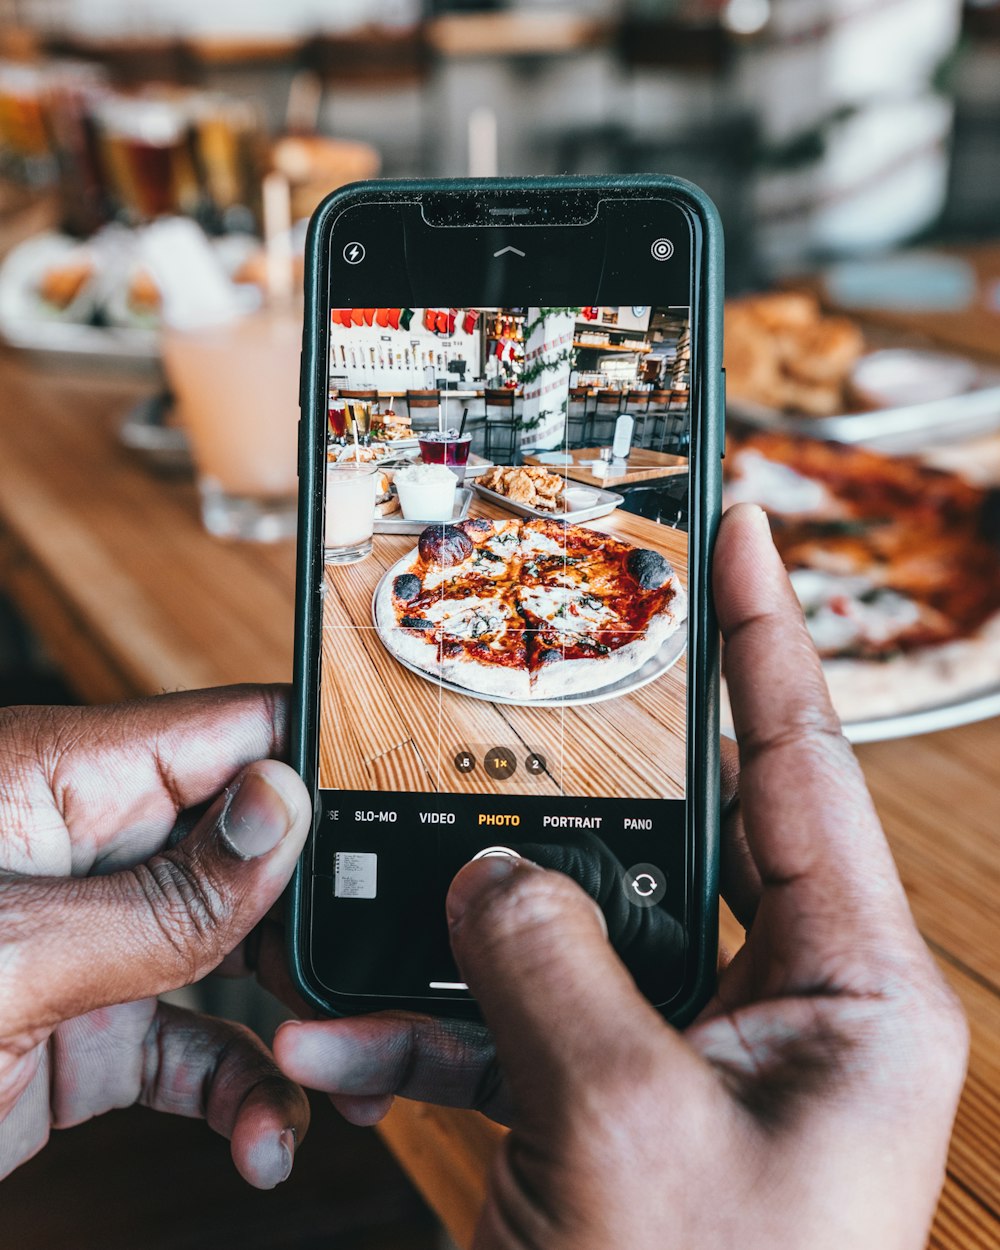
[
  {"x": 472, "y": 618},
  {"x": 847, "y": 613},
  {"x": 778, "y": 487},
  {"x": 567, "y": 609}
]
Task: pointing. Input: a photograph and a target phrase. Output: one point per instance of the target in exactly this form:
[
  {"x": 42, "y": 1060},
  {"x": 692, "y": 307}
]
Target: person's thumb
[
  {"x": 72, "y": 945},
  {"x": 564, "y": 1012}
]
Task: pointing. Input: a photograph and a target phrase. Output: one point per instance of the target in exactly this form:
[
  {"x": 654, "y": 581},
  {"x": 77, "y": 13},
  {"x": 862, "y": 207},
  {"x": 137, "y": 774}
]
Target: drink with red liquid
[
  {"x": 448, "y": 448},
  {"x": 338, "y": 420}
]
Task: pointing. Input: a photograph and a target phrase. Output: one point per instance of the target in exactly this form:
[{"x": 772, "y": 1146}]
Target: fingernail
[
  {"x": 476, "y": 879},
  {"x": 255, "y": 818},
  {"x": 762, "y": 522},
  {"x": 288, "y": 1140}
]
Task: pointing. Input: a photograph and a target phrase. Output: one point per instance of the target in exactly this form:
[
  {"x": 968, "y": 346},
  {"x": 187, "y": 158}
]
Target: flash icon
[{"x": 354, "y": 253}]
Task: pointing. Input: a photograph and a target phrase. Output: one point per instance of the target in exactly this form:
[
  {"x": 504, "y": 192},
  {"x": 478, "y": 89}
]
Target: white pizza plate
[
  {"x": 667, "y": 656},
  {"x": 961, "y": 398},
  {"x": 398, "y": 524},
  {"x": 602, "y": 502},
  {"x": 978, "y": 706}
]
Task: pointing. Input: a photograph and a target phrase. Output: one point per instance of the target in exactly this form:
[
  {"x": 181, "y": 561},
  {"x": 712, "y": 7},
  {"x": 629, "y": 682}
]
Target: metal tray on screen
[
  {"x": 600, "y": 504},
  {"x": 398, "y": 524}
]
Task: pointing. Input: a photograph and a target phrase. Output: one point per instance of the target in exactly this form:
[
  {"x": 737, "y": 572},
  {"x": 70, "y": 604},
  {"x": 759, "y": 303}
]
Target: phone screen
[{"x": 507, "y": 517}]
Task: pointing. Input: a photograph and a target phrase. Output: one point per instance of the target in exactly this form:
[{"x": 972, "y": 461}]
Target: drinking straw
[
  {"x": 354, "y": 431},
  {"x": 461, "y": 428},
  {"x": 277, "y": 197}
]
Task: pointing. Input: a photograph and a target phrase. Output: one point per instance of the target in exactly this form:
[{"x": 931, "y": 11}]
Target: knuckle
[
  {"x": 187, "y": 909},
  {"x": 811, "y": 732},
  {"x": 946, "y": 1036}
]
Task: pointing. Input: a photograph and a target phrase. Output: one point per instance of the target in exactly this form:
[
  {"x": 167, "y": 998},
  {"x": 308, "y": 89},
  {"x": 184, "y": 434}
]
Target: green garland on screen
[
  {"x": 531, "y": 373},
  {"x": 543, "y": 315}
]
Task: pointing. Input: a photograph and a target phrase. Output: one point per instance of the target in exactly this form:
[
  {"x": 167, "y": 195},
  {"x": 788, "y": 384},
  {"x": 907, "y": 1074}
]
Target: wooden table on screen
[
  {"x": 112, "y": 568},
  {"x": 642, "y": 465},
  {"x": 400, "y": 730}
]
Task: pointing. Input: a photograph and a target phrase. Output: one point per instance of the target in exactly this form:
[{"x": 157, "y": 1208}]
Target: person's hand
[
  {"x": 810, "y": 1103},
  {"x": 103, "y": 904}
]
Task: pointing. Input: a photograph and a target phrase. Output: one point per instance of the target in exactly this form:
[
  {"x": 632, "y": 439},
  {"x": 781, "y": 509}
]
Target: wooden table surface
[
  {"x": 111, "y": 566},
  {"x": 974, "y": 329},
  {"x": 401, "y": 731},
  {"x": 642, "y": 465}
]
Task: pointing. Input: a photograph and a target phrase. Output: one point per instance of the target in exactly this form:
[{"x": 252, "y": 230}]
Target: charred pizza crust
[{"x": 528, "y": 610}]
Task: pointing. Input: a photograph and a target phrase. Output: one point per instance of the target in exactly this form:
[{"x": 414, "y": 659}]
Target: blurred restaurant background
[{"x": 159, "y": 157}]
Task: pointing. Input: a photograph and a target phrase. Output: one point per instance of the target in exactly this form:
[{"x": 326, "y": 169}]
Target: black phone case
[{"x": 707, "y": 447}]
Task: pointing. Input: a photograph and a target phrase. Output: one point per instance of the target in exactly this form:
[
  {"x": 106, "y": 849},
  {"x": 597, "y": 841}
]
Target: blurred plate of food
[
  {"x": 533, "y": 491},
  {"x": 791, "y": 367},
  {"x": 896, "y": 563},
  {"x": 93, "y": 299}
]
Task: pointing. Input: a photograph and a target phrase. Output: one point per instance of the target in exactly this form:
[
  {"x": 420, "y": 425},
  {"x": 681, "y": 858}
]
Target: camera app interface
[{"x": 505, "y": 614}]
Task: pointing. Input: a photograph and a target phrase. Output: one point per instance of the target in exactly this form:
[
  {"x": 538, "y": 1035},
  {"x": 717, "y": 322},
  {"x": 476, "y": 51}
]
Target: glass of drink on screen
[
  {"x": 448, "y": 448},
  {"x": 337, "y": 419},
  {"x": 350, "y": 511}
]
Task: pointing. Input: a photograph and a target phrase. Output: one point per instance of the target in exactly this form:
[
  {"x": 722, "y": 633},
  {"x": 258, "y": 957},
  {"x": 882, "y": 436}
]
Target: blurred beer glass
[
  {"x": 74, "y": 91},
  {"x": 24, "y": 140},
  {"x": 230, "y": 150},
  {"x": 147, "y": 156}
]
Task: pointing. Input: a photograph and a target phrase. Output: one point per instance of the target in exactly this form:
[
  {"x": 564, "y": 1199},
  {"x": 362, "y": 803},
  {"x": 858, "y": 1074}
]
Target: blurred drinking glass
[
  {"x": 74, "y": 91},
  {"x": 24, "y": 138},
  {"x": 350, "y": 511},
  {"x": 230, "y": 154},
  {"x": 237, "y": 388},
  {"x": 147, "y": 156}
]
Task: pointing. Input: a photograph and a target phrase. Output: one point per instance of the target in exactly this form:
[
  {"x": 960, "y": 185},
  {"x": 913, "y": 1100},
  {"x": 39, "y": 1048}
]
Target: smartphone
[{"x": 512, "y": 426}]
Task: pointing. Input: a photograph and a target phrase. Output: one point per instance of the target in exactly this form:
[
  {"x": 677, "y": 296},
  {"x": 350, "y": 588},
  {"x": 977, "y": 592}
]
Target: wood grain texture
[
  {"x": 642, "y": 465},
  {"x": 376, "y": 715},
  {"x": 974, "y": 330}
]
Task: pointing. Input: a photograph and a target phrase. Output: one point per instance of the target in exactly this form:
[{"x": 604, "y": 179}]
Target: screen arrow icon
[{"x": 504, "y": 250}]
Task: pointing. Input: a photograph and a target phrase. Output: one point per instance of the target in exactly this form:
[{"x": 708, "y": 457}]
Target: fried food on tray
[
  {"x": 782, "y": 352},
  {"x": 143, "y": 293},
  {"x": 62, "y": 283},
  {"x": 532, "y": 486},
  {"x": 391, "y": 425}
]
